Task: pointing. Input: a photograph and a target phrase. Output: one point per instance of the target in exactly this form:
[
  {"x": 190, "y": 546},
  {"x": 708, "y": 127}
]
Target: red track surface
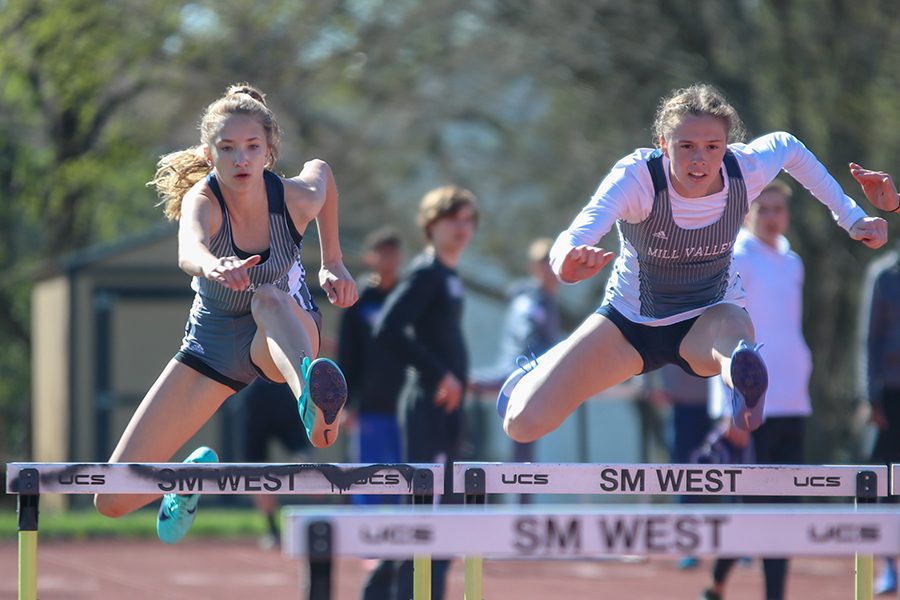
[{"x": 239, "y": 570}]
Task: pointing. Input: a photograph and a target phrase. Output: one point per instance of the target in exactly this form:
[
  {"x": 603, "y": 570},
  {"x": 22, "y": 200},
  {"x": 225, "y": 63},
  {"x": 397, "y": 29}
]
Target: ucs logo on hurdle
[
  {"x": 822, "y": 482},
  {"x": 81, "y": 479},
  {"x": 397, "y": 535},
  {"x": 844, "y": 534},
  {"x": 525, "y": 478}
]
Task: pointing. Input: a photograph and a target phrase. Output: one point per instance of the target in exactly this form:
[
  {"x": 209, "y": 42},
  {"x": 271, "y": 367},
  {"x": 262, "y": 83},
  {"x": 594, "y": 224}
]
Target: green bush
[{"x": 84, "y": 524}]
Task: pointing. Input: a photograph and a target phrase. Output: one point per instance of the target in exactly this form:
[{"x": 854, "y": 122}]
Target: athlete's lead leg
[
  {"x": 284, "y": 347},
  {"x": 721, "y": 341}
]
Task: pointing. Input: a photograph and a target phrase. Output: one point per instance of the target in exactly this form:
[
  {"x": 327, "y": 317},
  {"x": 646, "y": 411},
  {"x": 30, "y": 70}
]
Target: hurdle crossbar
[
  {"x": 221, "y": 478},
  {"x": 590, "y": 532},
  {"x": 29, "y": 480},
  {"x": 864, "y": 483},
  {"x": 668, "y": 479}
]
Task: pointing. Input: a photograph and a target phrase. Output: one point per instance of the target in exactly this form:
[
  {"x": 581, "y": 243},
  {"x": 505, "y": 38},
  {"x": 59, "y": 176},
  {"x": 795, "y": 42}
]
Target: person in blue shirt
[{"x": 375, "y": 378}]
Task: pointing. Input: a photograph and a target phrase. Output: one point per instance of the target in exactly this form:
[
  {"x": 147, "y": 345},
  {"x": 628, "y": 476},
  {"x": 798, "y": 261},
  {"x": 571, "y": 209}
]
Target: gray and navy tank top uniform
[
  {"x": 679, "y": 269},
  {"x": 220, "y": 327}
]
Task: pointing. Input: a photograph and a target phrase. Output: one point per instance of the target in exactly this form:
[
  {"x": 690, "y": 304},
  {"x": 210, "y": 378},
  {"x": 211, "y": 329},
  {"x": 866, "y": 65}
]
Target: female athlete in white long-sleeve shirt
[{"x": 673, "y": 296}]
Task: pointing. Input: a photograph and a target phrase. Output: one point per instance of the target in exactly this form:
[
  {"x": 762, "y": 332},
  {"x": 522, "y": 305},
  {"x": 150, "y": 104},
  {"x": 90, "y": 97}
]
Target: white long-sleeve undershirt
[{"x": 627, "y": 193}]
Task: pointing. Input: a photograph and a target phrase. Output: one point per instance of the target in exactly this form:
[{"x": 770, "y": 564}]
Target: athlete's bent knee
[
  {"x": 108, "y": 507},
  {"x": 268, "y": 297},
  {"x": 522, "y": 427},
  {"x": 736, "y": 322}
]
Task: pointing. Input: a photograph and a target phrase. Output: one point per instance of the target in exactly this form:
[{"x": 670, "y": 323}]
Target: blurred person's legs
[
  {"x": 655, "y": 426},
  {"x": 380, "y": 582},
  {"x": 378, "y": 442},
  {"x": 778, "y": 441},
  {"x": 887, "y": 451},
  {"x": 524, "y": 453},
  {"x": 431, "y": 435},
  {"x": 689, "y": 426},
  {"x": 269, "y": 411},
  {"x": 887, "y": 579}
]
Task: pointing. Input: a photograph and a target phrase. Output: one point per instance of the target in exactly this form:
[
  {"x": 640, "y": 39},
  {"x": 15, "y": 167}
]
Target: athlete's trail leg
[{"x": 594, "y": 358}]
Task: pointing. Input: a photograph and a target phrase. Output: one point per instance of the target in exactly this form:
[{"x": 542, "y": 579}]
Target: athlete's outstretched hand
[
  {"x": 871, "y": 231},
  {"x": 338, "y": 284},
  {"x": 231, "y": 272},
  {"x": 878, "y": 187},
  {"x": 583, "y": 262}
]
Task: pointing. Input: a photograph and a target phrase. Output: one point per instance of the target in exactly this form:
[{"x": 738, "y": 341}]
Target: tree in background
[{"x": 73, "y": 151}]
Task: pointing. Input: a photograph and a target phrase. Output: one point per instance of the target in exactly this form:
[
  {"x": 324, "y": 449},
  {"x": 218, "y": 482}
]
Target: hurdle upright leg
[
  {"x": 423, "y": 494},
  {"x": 474, "y": 565},
  {"x": 28, "y": 532},
  {"x": 320, "y": 550},
  {"x": 866, "y": 493}
]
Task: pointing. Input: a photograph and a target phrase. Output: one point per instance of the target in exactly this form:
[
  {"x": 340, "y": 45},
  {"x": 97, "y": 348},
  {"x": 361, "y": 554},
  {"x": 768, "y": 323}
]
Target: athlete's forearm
[
  {"x": 327, "y": 221},
  {"x": 194, "y": 256},
  {"x": 812, "y": 174}
]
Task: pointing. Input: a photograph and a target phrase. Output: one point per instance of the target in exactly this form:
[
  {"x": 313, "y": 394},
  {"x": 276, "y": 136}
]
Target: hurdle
[
  {"x": 592, "y": 532},
  {"x": 30, "y": 480},
  {"x": 864, "y": 483}
]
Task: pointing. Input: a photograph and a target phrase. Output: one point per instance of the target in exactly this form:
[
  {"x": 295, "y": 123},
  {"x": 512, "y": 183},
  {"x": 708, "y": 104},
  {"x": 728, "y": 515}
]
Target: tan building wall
[{"x": 50, "y": 372}]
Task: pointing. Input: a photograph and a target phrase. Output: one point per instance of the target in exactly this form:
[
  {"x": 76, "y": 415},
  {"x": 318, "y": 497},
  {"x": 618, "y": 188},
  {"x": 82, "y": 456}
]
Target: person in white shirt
[
  {"x": 772, "y": 277},
  {"x": 673, "y": 296}
]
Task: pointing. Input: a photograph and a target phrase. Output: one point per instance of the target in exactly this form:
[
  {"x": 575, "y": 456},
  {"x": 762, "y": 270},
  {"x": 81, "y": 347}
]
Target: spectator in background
[
  {"x": 531, "y": 327},
  {"x": 689, "y": 421},
  {"x": 880, "y": 324},
  {"x": 374, "y": 377},
  {"x": 421, "y": 325},
  {"x": 772, "y": 277}
]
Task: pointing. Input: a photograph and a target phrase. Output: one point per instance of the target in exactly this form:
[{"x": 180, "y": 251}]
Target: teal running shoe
[
  {"x": 177, "y": 511},
  {"x": 325, "y": 390},
  {"x": 751, "y": 380}
]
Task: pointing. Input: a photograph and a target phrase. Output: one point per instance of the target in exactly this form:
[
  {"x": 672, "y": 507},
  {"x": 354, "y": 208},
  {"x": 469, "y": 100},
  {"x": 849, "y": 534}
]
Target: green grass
[{"x": 86, "y": 523}]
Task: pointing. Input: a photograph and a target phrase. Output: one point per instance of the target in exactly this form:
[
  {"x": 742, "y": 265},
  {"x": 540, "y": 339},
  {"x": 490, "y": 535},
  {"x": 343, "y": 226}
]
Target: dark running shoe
[
  {"x": 750, "y": 380},
  {"x": 324, "y": 389}
]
